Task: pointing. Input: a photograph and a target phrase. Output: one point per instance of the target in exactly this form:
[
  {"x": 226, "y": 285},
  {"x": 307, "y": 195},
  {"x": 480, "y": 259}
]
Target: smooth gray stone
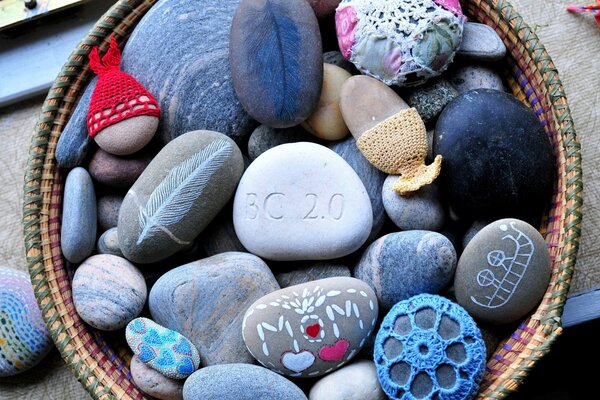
[
  {"x": 503, "y": 272},
  {"x": 357, "y": 381},
  {"x": 155, "y": 384},
  {"x": 185, "y": 186},
  {"x": 240, "y": 382},
  {"x": 219, "y": 236},
  {"x": 118, "y": 172},
  {"x": 180, "y": 52},
  {"x": 404, "y": 264},
  {"x": 312, "y": 272},
  {"x": 264, "y": 138},
  {"x": 108, "y": 210},
  {"x": 421, "y": 209},
  {"x": 370, "y": 176},
  {"x": 336, "y": 58},
  {"x": 474, "y": 76},
  {"x": 79, "y": 220},
  {"x": 480, "y": 42},
  {"x": 109, "y": 243},
  {"x": 205, "y": 301},
  {"x": 74, "y": 142},
  {"x": 475, "y": 227},
  {"x": 430, "y": 98}
]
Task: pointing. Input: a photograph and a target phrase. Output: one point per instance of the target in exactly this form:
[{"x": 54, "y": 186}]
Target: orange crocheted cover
[{"x": 117, "y": 95}]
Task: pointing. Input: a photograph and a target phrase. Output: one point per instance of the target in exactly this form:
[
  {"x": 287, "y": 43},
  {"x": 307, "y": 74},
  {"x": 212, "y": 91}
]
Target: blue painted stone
[
  {"x": 180, "y": 52},
  {"x": 79, "y": 221},
  {"x": 403, "y": 264},
  {"x": 429, "y": 348},
  {"x": 74, "y": 142},
  {"x": 240, "y": 382},
  {"x": 370, "y": 176},
  {"x": 162, "y": 349},
  {"x": 421, "y": 209},
  {"x": 276, "y": 60}
]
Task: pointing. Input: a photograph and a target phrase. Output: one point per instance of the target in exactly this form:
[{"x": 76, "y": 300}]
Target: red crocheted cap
[{"x": 117, "y": 95}]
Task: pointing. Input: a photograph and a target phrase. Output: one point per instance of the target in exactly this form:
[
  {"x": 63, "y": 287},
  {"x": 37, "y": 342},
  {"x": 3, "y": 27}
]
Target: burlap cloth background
[{"x": 573, "y": 41}]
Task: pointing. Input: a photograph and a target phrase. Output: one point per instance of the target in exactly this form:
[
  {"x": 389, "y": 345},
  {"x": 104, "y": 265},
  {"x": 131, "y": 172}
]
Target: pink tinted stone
[
  {"x": 345, "y": 24},
  {"x": 450, "y": 5}
]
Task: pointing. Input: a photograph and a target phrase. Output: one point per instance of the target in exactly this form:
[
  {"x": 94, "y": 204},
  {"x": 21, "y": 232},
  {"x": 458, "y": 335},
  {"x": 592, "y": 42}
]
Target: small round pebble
[
  {"x": 109, "y": 243},
  {"x": 108, "y": 211},
  {"x": 154, "y": 383},
  {"x": 108, "y": 292},
  {"x": 420, "y": 210},
  {"x": 468, "y": 77},
  {"x": 357, "y": 381},
  {"x": 264, "y": 138},
  {"x": 239, "y": 382},
  {"x": 24, "y": 338},
  {"x": 115, "y": 171},
  {"x": 429, "y": 347},
  {"x": 336, "y": 58},
  {"x": 475, "y": 227},
  {"x": 127, "y": 136}
]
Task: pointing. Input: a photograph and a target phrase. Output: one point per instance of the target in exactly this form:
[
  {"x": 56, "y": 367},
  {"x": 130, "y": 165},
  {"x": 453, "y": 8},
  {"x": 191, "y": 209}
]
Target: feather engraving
[{"x": 173, "y": 198}]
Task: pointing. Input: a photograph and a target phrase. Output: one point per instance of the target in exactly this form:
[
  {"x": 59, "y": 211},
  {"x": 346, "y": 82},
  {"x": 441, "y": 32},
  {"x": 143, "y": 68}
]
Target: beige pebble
[
  {"x": 127, "y": 136},
  {"x": 154, "y": 383},
  {"x": 365, "y": 102},
  {"x": 326, "y": 121}
]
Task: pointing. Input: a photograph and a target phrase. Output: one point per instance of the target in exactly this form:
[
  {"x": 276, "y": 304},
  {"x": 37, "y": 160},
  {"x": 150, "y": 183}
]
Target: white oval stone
[{"x": 301, "y": 201}]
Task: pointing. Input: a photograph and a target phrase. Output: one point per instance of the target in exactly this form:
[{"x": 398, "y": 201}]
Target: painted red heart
[
  {"x": 335, "y": 352},
  {"x": 313, "y": 330}
]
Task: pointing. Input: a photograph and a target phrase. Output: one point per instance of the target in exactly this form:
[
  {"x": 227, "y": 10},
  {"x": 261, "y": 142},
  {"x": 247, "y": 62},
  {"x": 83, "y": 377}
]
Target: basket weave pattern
[{"x": 104, "y": 372}]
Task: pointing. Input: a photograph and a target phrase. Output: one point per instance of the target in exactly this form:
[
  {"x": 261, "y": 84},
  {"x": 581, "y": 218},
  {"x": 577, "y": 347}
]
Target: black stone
[{"x": 498, "y": 160}]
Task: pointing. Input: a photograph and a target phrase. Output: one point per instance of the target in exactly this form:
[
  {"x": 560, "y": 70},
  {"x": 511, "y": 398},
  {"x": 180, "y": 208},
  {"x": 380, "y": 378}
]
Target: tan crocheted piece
[{"x": 398, "y": 146}]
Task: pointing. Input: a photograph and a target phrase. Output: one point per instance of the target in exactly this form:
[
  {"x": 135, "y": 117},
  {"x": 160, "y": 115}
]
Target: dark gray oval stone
[
  {"x": 276, "y": 60},
  {"x": 180, "y": 52},
  {"x": 205, "y": 301},
  {"x": 498, "y": 161},
  {"x": 312, "y": 271},
  {"x": 108, "y": 211},
  {"x": 404, "y": 264},
  {"x": 115, "y": 171},
  {"x": 264, "y": 138},
  {"x": 503, "y": 272},
  {"x": 240, "y": 382},
  {"x": 79, "y": 221}
]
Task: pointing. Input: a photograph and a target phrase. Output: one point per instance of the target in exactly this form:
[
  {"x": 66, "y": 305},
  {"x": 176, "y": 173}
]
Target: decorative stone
[
  {"x": 403, "y": 264},
  {"x": 370, "y": 176},
  {"x": 468, "y": 77},
  {"x": 431, "y": 98},
  {"x": 240, "y": 382},
  {"x": 153, "y": 383},
  {"x": 326, "y": 121},
  {"x": 162, "y": 349},
  {"x": 276, "y": 60},
  {"x": 428, "y": 347},
  {"x": 357, "y": 381},
  {"x": 74, "y": 141},
  {"x": 311, "y": 329},
  {"x": 109, "y": 243},
  {"x": 481, "y": 43},
  {"x": 192, "y": 80},
  {"x": 108, "y": 210},
  {"x": 336, "y": 58},
  {"x": 422, "y": 209},
  {"x": 301, "y": 201},
  {"x": 117, "y": 172},
  {"x": 178, "y": 194},
  {"x": 108, "y": 292},
  {"x": 78, "y": 231},
  {"x": 399, "y": 42},
  {"x": 24, "y": 338},
  {"x": 220, "y": 237},
  {"x": 128, "y": 136},
  {"x": 323, "y": 8},
  {"x": 503, "y": 272},
  {"x": 264, "y": 138},
  {"x": 312, "y": 272},
  {"x": 498, "y": 160},
  {"x": 205, "y": 300}
]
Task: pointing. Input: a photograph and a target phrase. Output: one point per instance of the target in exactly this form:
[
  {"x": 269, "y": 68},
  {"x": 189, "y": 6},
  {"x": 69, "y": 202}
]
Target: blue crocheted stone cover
[{"x": 429, "y": 348}]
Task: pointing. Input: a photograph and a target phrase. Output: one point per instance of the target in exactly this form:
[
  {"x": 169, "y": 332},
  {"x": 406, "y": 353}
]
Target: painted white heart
[{"x": 297, "y": 362}]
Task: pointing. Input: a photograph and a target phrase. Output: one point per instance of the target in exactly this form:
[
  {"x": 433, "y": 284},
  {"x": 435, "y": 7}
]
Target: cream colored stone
[
  {"x": 326, "y": 121},
  {"x": 154, "y": 383},
  {"x": 127, "y": 136},
  {"x": 357, "y": 381}
]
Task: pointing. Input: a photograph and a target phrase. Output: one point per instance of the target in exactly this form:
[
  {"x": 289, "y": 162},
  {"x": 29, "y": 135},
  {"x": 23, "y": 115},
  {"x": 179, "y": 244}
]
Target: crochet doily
[
  {"x": 400, "y": 42},
  {"x": 429, "y": 348}
]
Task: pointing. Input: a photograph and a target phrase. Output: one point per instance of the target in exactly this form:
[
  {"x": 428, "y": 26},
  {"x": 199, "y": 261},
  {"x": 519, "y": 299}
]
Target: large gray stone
[
  {"x": 180, "y": 52},
  {"x": 178, "y": 194},
  {"x": 205, "y": 301},
  {"x": 240, "y": 382},
  {"x": 312, "y": 272}
]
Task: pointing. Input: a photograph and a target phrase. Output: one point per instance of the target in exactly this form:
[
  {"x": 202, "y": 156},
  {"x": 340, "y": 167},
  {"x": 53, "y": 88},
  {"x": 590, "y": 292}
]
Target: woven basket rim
[{"x": 103, "y": 373}]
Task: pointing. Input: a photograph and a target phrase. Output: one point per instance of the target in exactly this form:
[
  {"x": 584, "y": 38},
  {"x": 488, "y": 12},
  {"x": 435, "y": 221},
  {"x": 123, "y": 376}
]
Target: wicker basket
[{"x": 104, "y": 373}]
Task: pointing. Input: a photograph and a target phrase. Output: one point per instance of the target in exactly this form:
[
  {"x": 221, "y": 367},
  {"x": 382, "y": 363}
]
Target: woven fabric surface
[{"x": 572, "y": 40}]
